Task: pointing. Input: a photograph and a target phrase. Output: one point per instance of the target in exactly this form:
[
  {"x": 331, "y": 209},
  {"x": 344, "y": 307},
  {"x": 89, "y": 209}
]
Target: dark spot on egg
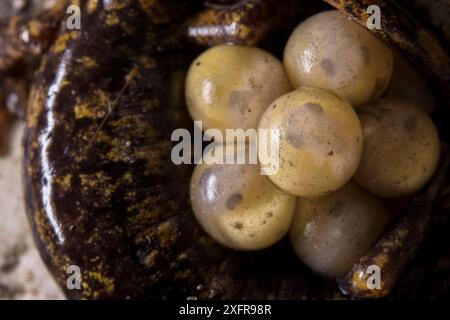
[
  {"x": 328, "y": 67},
  {"x": 365, "y": 54},
  {"x": 294, "y": 139},
  {"x": 238, "y": 225},
  {"x": 239, "y": 100},
  {"x": 338, "y": 209},
  {"x": 313, "y": 107},
  {"x": 233, "y": 201},
  {"x": 410, "y": 124}
]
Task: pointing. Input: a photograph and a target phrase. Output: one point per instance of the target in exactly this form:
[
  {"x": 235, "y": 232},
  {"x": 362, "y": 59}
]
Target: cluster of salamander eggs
[{"x": 354, "y": 132}]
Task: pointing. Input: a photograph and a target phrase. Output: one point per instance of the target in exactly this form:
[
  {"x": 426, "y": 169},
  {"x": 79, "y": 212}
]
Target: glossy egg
[
  {"x": 401, "y": 148},
  {"x": 331, "y": 52},
  {"x": 331, "y": 233},
  {"x": 229, "y": 86},
  {"x": 239, "y": 207},
  {"x": 320, "y": 141}
]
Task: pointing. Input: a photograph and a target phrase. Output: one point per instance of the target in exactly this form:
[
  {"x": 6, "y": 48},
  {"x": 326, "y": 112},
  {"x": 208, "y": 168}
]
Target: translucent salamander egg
[
  {"x": 320, "y": 141},
  {"x": 239, "y": 207},
  {"x": 331, "y": 52},
  {"x": 229, "y": 86},
  {"x": 401, "y": 148},
  {"x": 331, "y": 233}
]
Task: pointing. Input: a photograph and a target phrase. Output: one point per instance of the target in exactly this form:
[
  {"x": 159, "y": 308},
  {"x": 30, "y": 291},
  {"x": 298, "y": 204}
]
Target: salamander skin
[{"x": 101, "y": 191}]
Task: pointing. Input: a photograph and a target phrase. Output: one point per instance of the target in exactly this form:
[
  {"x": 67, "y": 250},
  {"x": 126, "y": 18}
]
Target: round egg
[
  {"x": 331, "y": 52},
  {"x": 320, "y": 141},
  {"x": 239, "y": 207},
  {"x": 229, "y": 86},
  {"x": 331, "y": 233},
  {"x": 401, "y": 148}
]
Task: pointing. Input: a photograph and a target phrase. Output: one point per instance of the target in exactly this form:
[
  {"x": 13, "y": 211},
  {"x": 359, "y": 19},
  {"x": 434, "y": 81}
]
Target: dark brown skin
[
  {"x": 101, "y": 190},
  {"x": 399, "y": 243}
]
